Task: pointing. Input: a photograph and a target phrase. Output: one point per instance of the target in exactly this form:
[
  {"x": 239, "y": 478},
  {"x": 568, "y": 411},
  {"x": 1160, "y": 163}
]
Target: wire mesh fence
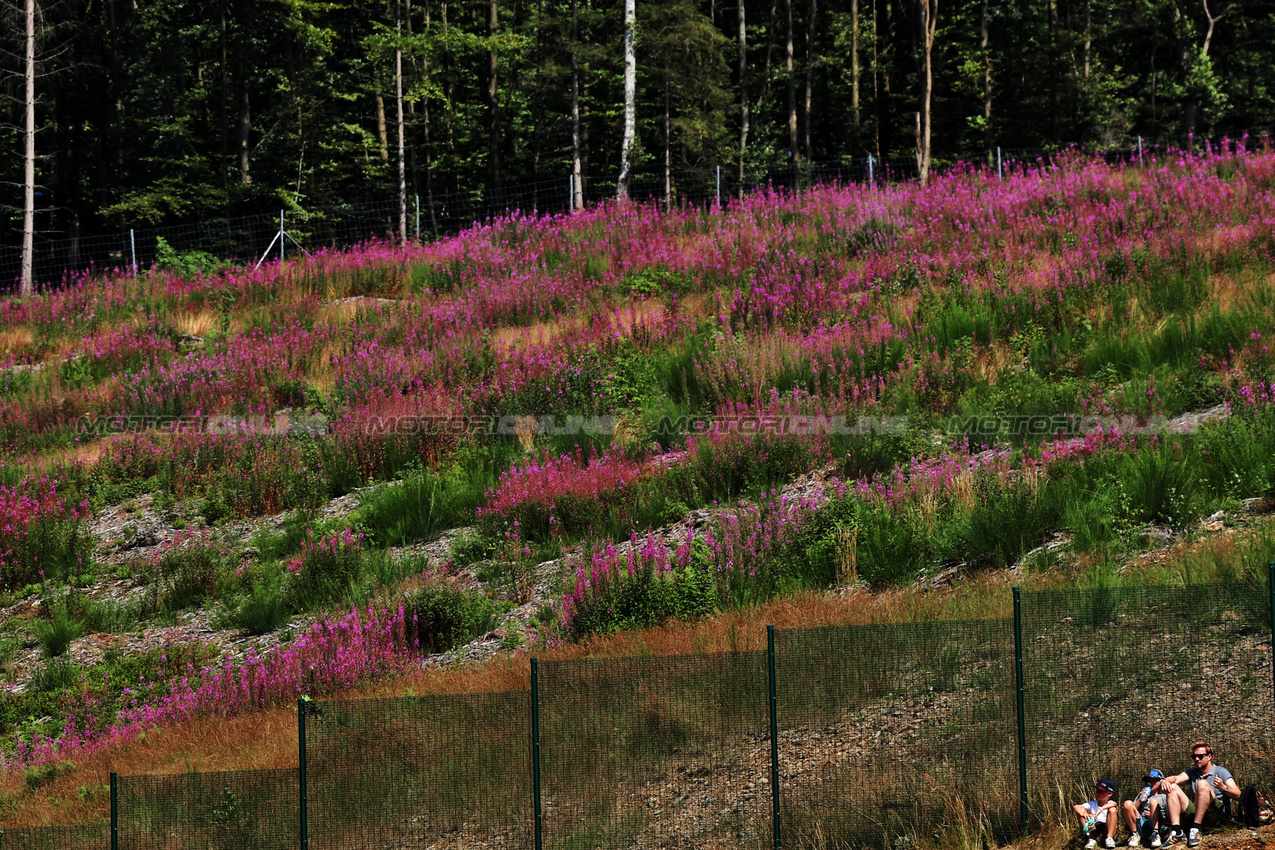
[
  {"x": 897, "y": 730},
  {"x": 92, "y": 837},
  {"x": 209, "y": 811},
  {"x": 836, "y": 737},
  {"x": 247, "y": 239},
  {"x": 663, "y": 752},
  {"x": 442, "y": 771}
]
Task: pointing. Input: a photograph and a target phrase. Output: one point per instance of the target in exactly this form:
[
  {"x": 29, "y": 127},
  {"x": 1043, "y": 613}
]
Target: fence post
[
  {"x": 281, "y": 233},
  {"x": 304, "y": 802},
  {"x": 1000, "y": 175},
  {"x": 571, "y": 192},
  {"x": 115, "y": 811},
  {"x": 870, "y": 177},
  {"x": 774, "y": 735},
  {"x": 535, "y": 741},
  {"x": 1020, "y": 708},
  {"x": 719, "y": 186},
  {"x": 418, "y": 218},
  {"x": 132, "y": 247},
  {"x": 1139, "y": 151}
]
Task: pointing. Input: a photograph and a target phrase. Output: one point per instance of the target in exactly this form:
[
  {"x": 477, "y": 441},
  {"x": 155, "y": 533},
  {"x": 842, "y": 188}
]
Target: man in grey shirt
[{"x": 1212, "y": 789}]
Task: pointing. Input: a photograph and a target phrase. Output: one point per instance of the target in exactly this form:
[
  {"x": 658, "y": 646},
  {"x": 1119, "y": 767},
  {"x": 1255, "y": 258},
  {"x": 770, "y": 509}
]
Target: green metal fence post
[
  {"x": 115, "y": 811},
  {"x": 774, "y": 735},
  {"x": 304, "y": 825},
  {"x": 535, "y": 752},
  {"x": 1020, "y": 708}
]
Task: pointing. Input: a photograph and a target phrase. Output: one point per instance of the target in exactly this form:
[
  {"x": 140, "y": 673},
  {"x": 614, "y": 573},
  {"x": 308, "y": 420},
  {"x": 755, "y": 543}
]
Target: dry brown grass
[
  {"x": 197, "y": 323},
  {"x": 16, "y": 340}
]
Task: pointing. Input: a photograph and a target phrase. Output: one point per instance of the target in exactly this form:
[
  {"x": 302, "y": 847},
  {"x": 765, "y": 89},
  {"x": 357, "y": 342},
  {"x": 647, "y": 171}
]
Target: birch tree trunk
[
  {"x": 577, "y": 187},
  {"x": 630, "y": 100},
  {"x": 854, "y": 66},
  {"x": 27, "y": 284},
  {"x": 929, "y": 10}
]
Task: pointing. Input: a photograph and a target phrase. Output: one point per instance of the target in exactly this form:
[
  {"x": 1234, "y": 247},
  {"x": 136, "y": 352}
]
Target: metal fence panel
[
  {"x": 889, "y": 732},
  {"x": 210, "y": 811},
  {"x": 665, "y": 752},
  {"x": 1122, "y": 680},
  {"x": 93, "y": 837},
  {"x": 445, "y": 771}
]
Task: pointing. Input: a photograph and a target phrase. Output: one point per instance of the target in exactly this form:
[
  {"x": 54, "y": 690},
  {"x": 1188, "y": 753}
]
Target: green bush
[
  {"x": 263, "y": 609},
  {"x": 444, "y": 617},
  {"x": 184, "y": 573},
  {"x": 327, "y": 570}
]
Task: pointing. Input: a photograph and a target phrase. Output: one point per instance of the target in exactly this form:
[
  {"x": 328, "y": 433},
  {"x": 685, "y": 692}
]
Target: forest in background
[{"x": 156, "y": 112}]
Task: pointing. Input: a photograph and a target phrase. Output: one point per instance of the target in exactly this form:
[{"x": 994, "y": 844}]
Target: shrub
[
  {"x": 185, "y": 570},
  {"x": 263, "y": 609},
  {"x": 42, "y": 534},
  {"x": 326, "y": 570},
  {"x": 444, "y": 617}
]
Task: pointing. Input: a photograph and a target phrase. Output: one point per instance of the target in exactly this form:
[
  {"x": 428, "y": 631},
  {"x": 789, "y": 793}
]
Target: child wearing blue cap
[
  {"x": 1145, "y": 812},
  {"x": 1098, "y": 817}
]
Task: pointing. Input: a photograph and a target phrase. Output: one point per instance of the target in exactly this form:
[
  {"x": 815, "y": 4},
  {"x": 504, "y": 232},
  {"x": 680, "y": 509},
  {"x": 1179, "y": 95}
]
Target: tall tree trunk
[
  {"x": 1055, "y": 93},
  {"x": 810, "y": 76},
  {"x": 493, "y": 102},
  {"x": 577, "y": 175},
  {"x": 245, "y": 106},
  {"x": 985, "y": 42},
  {"x": 27, "y": 283},
  {"x": 743, "y": 95},
  {"x": 668, "y": 142},
  {"x": 630, "y": 100},
  {"x": 429, "y": 150},
  {"x": 854, "y": 68},
  {"x": 928, "y": 10},
  {"x": 883, "y": 58},
  {"x": 793, "y": 156},
  {"x": 382, "y": 128},
  {"x": 398, "y": 96}
]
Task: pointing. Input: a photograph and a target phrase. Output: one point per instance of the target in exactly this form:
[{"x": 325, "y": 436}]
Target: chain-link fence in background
[
  {"x": 874, "y": 736},
  {"x": 247, "y": 239}
]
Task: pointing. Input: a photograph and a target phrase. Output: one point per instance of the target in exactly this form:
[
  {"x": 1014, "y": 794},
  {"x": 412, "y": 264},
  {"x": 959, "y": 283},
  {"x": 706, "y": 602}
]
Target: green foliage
[
  {"x": 444, "y": 617},
  {"x": 262, "y": 609},
  {"x": 187, "y": 264},
  {"x": 58, "y": 628},
  {"x": 1161, "y": 484},
  {"x": 40, "y": 775},
  {"x": 184, "y": 573},
  {"x": 328, "y": 569}
]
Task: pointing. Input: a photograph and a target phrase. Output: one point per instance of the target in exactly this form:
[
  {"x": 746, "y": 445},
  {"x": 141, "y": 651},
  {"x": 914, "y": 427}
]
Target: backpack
[{"x": 1255, "y": 809}]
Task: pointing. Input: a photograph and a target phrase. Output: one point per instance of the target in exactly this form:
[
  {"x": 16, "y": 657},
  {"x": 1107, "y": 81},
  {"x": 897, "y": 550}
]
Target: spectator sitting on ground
[
  {"x": 1098, "y": 817},
  {"x": 1145, "y": 812},
  {"x": 1212, "y": 789}
]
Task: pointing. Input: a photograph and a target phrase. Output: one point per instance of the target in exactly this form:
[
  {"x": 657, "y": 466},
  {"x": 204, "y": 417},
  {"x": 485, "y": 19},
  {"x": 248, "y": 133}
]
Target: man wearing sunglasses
[{"x": 1212, "y": 789}]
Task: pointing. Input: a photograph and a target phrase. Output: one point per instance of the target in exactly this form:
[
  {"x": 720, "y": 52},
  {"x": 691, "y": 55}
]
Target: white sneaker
[
  {"x": 1135, "y": 840},
  {"x": 1155, "y": 839},
  {"x": 1109, "y": 843},
  {"x": 1091, "y": 844}
]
